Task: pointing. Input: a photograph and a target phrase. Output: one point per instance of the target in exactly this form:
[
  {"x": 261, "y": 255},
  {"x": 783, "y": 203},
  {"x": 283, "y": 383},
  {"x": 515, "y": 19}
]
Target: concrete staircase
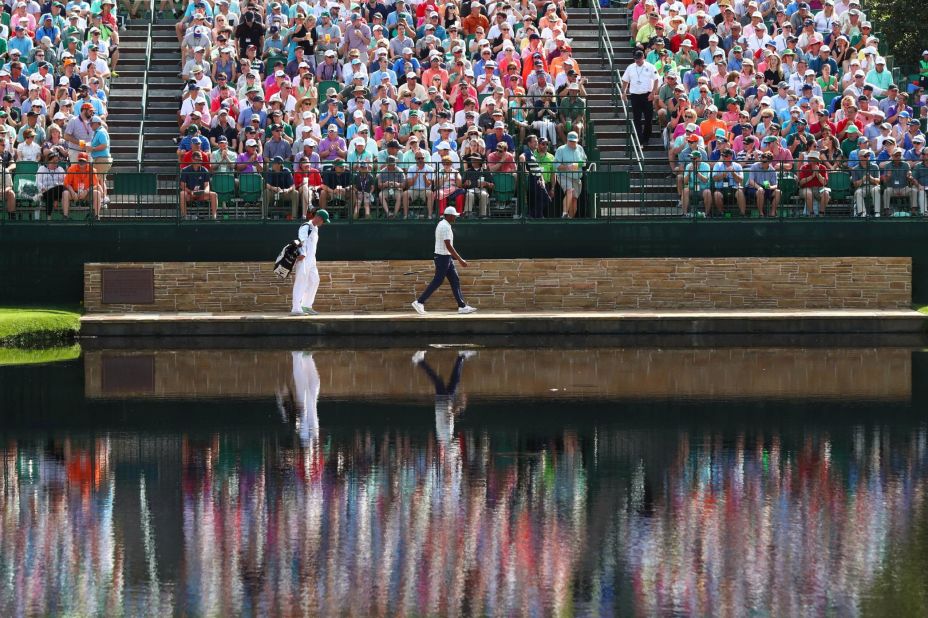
[
  {"x": 126, "y": 104},
  {"x": 164, "y": 88},
  {"x": 610, "y": 123}
]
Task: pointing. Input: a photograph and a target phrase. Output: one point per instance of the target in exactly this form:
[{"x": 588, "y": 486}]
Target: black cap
[{"x": 639, "y": 54}]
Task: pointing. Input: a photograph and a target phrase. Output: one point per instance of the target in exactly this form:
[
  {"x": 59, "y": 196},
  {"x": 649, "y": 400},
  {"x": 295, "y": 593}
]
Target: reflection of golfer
[
  {"x": 306, "y": 384},
  {"x": 445, "y": 254},
  {"x": 305, "y": 271},
  {"x": 444, "y": 393}
]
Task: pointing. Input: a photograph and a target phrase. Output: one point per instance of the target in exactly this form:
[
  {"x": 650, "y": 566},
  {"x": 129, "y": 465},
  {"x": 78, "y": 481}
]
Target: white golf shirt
[{"x": 442, "y": 233}]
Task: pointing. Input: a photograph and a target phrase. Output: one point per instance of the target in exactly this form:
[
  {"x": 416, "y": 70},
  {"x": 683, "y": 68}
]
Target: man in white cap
[
  {"x": 305, "y": 270},
  {"x": 100, "y": 154},
  {"x": 444, "y": 257},
  {"x": 569, "y": 160}
]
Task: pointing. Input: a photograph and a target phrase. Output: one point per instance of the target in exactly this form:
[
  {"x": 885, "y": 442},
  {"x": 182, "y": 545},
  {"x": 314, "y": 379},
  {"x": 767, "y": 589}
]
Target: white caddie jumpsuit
[{"x": 305, "y": 271}]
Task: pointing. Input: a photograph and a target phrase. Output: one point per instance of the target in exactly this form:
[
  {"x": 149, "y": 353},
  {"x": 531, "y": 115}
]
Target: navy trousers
[
  {"x": 444, "y": 267},
  {"x": 442, "y": 390}
]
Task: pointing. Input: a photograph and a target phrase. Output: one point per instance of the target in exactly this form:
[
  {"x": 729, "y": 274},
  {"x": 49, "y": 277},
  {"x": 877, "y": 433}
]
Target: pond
[{"x": 456, "y": 480}]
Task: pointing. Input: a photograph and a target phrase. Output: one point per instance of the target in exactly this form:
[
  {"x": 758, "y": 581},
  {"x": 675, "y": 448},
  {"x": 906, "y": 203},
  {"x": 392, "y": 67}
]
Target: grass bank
[
  {"x": 37, "y": 328},
  {"x": 38, "y": 356}
]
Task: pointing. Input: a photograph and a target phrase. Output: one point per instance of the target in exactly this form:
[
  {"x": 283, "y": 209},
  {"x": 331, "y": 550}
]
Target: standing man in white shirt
[
  {"x": 445, "y": 254},
  {"x": 306, "y": 272},
  {"x": 641, "y": 82}
]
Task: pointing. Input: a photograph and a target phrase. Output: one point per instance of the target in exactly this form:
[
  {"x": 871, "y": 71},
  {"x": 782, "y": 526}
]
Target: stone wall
[{"x": 533, "y": 285}]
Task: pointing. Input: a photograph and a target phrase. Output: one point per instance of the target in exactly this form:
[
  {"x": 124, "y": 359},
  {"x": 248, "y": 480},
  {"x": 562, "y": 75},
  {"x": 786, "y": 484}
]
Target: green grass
[
  {"x": 37, "y": 328},
  {"x": 37, "y": 356}
]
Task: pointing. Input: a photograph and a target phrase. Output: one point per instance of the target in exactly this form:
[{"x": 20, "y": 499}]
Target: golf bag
[{"x": 283, "y": 265}]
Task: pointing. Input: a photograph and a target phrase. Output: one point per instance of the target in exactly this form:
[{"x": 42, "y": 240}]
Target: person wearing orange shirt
[
  {"x": 475, "y": 20},
  {"x": 712, "y": 122},
  {"x": 81, "y": 184}
]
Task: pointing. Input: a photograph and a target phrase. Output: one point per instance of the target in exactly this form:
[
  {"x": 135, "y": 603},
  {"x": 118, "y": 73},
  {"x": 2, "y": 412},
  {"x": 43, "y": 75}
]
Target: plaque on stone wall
[
  {"x": 129, "y": 286},
  {"x": 123, "y": 374}
]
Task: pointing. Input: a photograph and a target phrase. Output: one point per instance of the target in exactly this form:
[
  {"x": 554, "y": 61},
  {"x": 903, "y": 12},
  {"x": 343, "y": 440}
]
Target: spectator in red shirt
[
  {"x": 195, "y": 152},
  {"x": 307, "y": 181},
  {"x": 852, "y": 118},
  {"x": 813, "y": 184}
]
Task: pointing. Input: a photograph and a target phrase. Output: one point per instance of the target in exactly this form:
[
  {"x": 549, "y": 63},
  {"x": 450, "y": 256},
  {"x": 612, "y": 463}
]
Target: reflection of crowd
[
  {"x": 393, "y": 532},
  {"x": 755, "y": 526},
  {"x": 395, "y": 524},
  {"x": 59, "y": 549}
]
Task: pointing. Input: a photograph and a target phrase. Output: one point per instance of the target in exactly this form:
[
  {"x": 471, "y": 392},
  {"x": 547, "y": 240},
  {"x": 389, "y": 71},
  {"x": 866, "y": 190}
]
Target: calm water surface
[{"x": 760, "y": 482}]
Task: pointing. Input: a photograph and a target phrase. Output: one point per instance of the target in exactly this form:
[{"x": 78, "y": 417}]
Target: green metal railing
[{"x": 514, "y": 193}]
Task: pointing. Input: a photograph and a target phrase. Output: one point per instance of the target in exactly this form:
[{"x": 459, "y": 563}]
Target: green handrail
[
  {"x": 619, "y": 100},
  {"x": 141, "y": 146}
]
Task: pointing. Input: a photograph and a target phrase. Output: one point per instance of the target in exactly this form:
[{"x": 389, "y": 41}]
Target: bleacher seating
[{"x": 810, "y": 85}]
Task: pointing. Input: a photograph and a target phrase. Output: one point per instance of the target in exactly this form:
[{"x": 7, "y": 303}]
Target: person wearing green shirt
[
  {"x": 923, "y": 70},
  {"x": 879, "y": 78},
  {"x": 649, "y": 30},
  {"x": 546, "y": 161}
]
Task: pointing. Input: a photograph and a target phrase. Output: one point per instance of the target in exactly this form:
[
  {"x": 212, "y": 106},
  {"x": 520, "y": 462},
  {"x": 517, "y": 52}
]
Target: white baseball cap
[{"x": 451, "y": 210}]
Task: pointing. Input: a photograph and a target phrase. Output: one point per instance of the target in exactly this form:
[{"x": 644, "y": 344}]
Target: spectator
[
  {"x": 419, "y": 182},
  {"x": 195, "y": 188},
  {"x": 307, "y": 181},
  {"x": 763, "y": 186},
  {"x": 50, "y": 179},
  {"x": 363, "y": 185},
  {"x": 100, "y": 155},
  {"x": 898, "y": 181},
  {"x": 865, "y": 179},
  {"x": 697, "y": 175},
  {"x": 813, "y": 184},
  {"x": 477, "y": 184},
  {"x": 336, "y": 184},
  {"x": 80, "y": 186},
  {"x": 279, "y": 188},
  {"x": 222, "y": 159},
  {"x": 391, "y": 183},
  {"x": 569, "y": 160},
  {"x": 728, "y": 180},
  {"x": 920, "y": 182}
]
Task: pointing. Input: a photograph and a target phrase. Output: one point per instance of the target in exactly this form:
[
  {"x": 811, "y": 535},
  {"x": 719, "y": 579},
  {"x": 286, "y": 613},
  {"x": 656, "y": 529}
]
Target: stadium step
[
  {"x": 164, "y": 85},
  {"x": 652, "y": 193}
]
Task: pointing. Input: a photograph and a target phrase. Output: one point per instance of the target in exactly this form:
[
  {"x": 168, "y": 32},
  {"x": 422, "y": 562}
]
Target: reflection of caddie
[
  {"x": 306, "y": 384},
  {"x": 305, "y": 271}
]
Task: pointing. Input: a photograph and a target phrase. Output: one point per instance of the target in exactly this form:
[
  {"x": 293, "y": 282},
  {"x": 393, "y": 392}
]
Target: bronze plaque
[
  {"x": 129, "y": 286},
  {"x": 124, "y": 375}
]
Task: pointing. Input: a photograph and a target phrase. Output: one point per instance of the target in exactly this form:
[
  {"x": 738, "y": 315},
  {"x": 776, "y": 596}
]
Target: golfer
[
  {"x": 305, "y": 271},
  {"x": 445, "y": 254}
]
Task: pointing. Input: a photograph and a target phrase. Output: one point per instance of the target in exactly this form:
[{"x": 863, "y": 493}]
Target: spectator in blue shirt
[
  {"x": 48, "y": 29},
  {"x": 20, "y": 42},
  {"x": 256, "y": 109}
]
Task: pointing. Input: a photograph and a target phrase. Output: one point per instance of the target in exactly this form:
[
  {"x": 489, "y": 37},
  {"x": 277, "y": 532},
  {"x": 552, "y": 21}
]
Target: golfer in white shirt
[
  {"x": 305, "y": 271},
  {"x": 445, "y": 254}
]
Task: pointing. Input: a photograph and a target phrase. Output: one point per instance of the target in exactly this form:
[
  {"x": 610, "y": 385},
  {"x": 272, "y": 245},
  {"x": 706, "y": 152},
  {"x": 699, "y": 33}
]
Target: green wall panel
[{"x": 44, "y": 263}]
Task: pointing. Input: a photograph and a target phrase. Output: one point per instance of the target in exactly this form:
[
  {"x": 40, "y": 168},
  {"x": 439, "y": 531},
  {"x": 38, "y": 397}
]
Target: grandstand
[
  {"x": 147, "y": 140},
  {"x": 143, "y": 69},
  {"x": 785, "y": 76}
]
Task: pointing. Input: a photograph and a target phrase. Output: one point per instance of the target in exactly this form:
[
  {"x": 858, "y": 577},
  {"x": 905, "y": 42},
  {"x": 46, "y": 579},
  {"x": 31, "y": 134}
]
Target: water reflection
[
  {"x": 316, "y": 513},
  {"x": 784, "y": 531}
]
